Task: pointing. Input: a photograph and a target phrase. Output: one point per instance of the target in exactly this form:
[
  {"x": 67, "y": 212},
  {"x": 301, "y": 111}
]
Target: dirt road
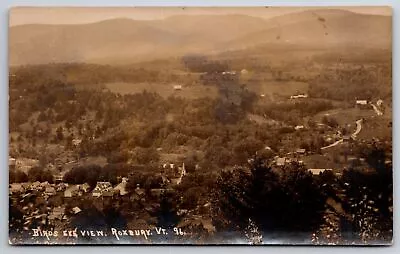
[{"x": 354, "y": 135}]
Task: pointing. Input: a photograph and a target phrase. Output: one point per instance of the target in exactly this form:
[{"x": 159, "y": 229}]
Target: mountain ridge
[{"x": 127, "y": 40}]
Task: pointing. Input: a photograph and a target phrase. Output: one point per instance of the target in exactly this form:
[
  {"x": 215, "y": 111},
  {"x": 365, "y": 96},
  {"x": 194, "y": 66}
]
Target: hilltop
[{"x": 129, "y": 41}]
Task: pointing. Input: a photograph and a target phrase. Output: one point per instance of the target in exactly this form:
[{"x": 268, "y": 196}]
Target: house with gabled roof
[
  {"x": 76, "y": 210},
  {"x": 50, "y": 191},
  {"x": 35, "y": 186},
  {"x": 362, "y": 104},
  {"x": 45, "y": 184},
  {"x": 16, "y": 188},
  {"x": 61, "y": 186},
  {"x": 281, "y": 161},
  {"x": 102, "y": 189},
  {"x": 11, "y": 163},
  {"x": 85, "y": 187},
  {"x": 301, "y": 151},
  {"x": 299, "y": 127},
  {"x": 72, "y": 191},
  {"x": 121, "y": 187}
]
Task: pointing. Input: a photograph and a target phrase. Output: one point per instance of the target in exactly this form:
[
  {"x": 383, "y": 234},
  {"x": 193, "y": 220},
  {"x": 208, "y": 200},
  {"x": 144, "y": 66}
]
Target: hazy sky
[{"x": 79, "y": 15}]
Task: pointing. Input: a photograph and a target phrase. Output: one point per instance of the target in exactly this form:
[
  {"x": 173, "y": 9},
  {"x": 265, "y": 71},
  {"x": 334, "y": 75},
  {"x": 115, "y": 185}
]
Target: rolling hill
[
  {"x": 120, "y": 41},
  {"x": 323, "y": 28}
]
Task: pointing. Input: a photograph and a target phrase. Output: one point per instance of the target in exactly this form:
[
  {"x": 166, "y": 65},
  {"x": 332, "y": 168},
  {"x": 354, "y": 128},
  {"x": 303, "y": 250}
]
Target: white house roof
[
  {"x": 72, "y": 188},
  {"x": 50, "y": 189},
  {"x": 362, "y": 102},
  {"x": 16, "y": 187},
  {"x": 121, "y": 188},
  {"x": 301, "y": 150},
  {"x": 76, "y": 210},
  {"x": 280, "y": 161},
  {"x": 298, "y": 96},
  {"x": 102, "y": 185},
  {"x": 11, "y": 161}
]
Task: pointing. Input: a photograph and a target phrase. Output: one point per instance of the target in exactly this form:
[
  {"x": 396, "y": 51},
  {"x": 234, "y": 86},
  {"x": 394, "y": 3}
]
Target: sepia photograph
[{"x": 200, "y": 126}]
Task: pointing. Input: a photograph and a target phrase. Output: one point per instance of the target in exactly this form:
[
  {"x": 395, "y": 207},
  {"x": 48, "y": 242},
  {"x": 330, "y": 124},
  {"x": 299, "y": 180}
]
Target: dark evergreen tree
[
  {"x": 166, "y": 216},
  {"x": 288, "y": 202}
]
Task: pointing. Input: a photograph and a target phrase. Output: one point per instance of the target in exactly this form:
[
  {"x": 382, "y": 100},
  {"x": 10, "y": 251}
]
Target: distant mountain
[
  {"x": 323, "y": 28},
  {"x": 88, "y": 43},
  {"x": 128, "y": 41}
]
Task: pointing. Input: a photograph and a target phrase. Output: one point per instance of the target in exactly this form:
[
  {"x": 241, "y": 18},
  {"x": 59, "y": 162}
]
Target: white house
[
  {"x": 299, "y": 96},
  {"x": 301, "y": 151},
  {"x": 177, "y": 87},
  {"x": 16, "y": 188},
  {"x": 281, "y": 161},
  {"x": 35, "y": 186},
  {"x": 121, "y": 188},
  {"x": 76, "y": 142},
  {"x": 76, "y": 210},
  {"x": 50, "y": 191},
  {"x": 71, "y": 191},
  {"x": 229, "y": 73},
  {"x": 361, "y": 102},
  {"x": 12, "y": 162}
]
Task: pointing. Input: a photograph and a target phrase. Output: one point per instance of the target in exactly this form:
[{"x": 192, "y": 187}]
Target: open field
[
  {"x": 165, "y": 90},
  {"x": 376, "y": 127},
  {"x": 346, "y": 116},
  {"x": 283, "y": 88}
]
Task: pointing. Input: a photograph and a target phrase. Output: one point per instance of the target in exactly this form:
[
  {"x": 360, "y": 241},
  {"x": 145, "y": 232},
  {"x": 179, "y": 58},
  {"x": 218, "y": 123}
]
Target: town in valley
[{"x": 279, "y": 132}]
